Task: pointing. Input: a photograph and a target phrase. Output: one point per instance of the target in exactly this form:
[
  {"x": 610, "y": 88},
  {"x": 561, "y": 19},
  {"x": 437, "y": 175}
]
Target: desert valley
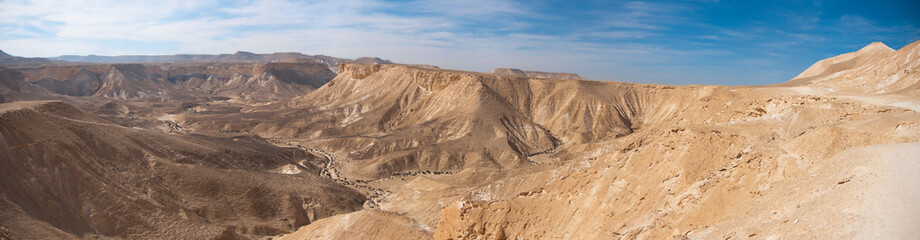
[{"x": 295, "y": 146}]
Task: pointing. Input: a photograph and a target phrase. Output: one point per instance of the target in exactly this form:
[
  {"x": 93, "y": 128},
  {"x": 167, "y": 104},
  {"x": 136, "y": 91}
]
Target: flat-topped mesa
[
  {"x": 313, "y": 74},
  {"x": 298, "y": 60},
  {"x": 246, "y": 54},
  {"x": 358, "y": 71},
  {"x": 372, "y": 60},
  {"x": 509, "y": 71},
  {"x": 430, "y": 79},
  {"x": 536, "y": 74}
]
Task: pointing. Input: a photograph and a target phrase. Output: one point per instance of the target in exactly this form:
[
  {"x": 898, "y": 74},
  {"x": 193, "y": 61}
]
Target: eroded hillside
[{"x": 70, "y": 174}]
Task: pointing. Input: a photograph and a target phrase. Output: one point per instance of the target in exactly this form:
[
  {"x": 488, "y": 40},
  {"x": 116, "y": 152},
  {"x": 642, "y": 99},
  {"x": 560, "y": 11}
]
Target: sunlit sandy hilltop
[{"x": 293, "y": 146}]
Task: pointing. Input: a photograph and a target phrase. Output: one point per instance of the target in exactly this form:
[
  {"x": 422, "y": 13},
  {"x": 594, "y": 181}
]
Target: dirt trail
[{"x": 376, "y": 195}]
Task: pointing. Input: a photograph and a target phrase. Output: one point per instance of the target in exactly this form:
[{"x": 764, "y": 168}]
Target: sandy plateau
[{"x": 311, "y": 148}]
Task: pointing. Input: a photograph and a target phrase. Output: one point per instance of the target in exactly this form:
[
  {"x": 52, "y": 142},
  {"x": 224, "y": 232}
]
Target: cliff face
[{"x": 252, "y": 81}]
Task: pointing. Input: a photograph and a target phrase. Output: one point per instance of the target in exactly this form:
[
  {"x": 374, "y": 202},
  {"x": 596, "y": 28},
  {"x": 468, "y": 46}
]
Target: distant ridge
[
  {"x": 239, "y": 56},
  {"x": 10, "y": 60},
  {"x": 133, "y": 80},
  {"x": 536, "y": 74}
]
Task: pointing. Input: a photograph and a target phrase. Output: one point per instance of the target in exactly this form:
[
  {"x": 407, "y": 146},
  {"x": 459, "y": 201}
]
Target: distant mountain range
[
  {"x": 536, "y": 74},
  {"x": 239, "y": 56},
  {"x": 10, "y": 60}
]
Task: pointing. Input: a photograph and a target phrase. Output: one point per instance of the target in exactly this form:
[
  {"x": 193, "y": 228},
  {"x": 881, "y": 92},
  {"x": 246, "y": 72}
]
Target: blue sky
[{"x": 667, "y": 42}]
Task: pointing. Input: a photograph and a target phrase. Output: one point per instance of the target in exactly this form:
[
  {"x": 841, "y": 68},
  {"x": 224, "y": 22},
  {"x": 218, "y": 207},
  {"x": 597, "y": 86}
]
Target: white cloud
[
  {"x": 432, "y": 32},
  {"x": 423, "y": 32},
  {"x": 619, "y": 41}
]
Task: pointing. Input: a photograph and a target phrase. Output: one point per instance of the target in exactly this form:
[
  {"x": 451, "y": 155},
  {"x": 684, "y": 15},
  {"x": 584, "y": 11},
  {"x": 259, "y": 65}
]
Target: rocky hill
[
  {"x": 13, "y": 86},
  {"x": 394, "y": 119},
  {"x": 10, "y": 60},
  {"x": 69, "y": 174},
  {"x": 874, "y": 69},
  {"x": 728, "y": 162},
  {"x": 630, "y": 161}
]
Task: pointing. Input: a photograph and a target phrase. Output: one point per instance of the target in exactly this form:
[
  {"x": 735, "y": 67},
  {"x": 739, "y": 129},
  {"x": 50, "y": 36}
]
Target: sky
[{"x": 662, "y": 42}]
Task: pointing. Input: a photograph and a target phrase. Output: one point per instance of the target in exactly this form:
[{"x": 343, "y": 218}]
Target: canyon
[{"x": 294, "y": 146}]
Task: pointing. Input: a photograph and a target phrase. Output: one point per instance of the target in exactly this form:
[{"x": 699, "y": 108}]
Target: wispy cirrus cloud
[{"x": 628, "y": 40}]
